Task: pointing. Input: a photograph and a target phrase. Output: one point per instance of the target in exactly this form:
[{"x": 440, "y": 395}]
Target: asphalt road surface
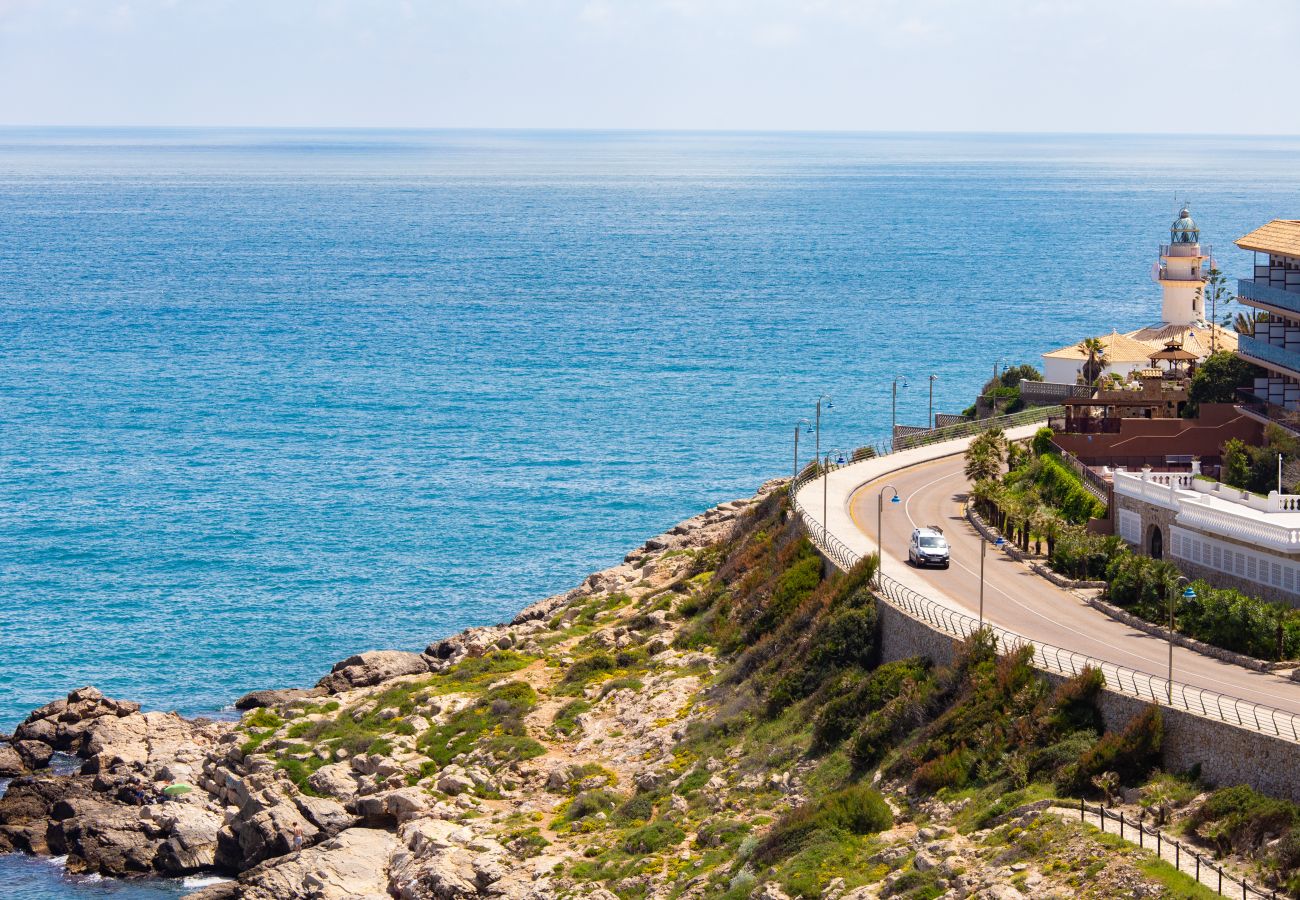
[{"x": 1028, "y": 604}]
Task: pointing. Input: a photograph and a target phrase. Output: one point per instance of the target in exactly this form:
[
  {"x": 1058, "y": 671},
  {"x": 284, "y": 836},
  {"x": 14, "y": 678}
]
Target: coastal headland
[{"x": 711, "y": 717}]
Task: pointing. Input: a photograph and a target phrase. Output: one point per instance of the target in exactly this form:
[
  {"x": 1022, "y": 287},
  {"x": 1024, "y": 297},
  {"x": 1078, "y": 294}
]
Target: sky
[{"x": 851, "y": 65}]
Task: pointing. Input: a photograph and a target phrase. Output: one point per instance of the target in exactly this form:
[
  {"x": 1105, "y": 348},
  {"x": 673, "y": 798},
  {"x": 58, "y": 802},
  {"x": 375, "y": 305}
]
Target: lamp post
[
  {"x": 1188, "y": 594},
  {"x": 984, "y": 547},
  {"x": 826, "y": 480},
  {"x": 817, "y": 451},
  {"x": 800, "y": 424},
  {"x": 930, "y": 423},
  {"x": 880, "y": 535},
  {"x": 893, "y": 417}
]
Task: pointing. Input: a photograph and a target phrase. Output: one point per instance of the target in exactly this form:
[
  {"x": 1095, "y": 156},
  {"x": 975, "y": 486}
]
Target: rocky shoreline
[
  {"x": 706, "y": 719},
  {"x": 383, "y": 823}
]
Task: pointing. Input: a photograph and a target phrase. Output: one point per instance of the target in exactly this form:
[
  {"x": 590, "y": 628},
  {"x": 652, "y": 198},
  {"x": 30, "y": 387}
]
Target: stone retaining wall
[{"x": 1226, "y": 754}]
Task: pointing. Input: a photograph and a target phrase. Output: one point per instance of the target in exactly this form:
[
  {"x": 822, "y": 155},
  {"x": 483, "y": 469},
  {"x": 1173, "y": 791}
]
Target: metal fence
[
  {"x": 1203, "y": 868},
  {"x": 1131, "y": 682},
  {"x": 1094, "y": 483}
]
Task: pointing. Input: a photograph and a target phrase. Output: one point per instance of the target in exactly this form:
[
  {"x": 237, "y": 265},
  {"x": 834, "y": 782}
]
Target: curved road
[{"x": 1020, "y": 601}]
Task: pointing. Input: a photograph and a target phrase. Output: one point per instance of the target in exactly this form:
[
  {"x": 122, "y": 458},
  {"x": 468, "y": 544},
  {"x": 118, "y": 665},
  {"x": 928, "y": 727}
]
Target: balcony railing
[
  {"x": 1263, "y": 293},
  {"x": 1197, "y": 275},
  {"x": 1252, "y": 402},
  {"x": 1272, "y": 354}
]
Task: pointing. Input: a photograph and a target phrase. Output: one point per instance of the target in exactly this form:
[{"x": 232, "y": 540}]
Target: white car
[{"x": 929, "y": 547}]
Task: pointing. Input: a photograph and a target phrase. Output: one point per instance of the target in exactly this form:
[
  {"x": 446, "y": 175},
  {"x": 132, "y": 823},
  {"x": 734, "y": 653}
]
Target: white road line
[{"x": 1227, "y": 687}]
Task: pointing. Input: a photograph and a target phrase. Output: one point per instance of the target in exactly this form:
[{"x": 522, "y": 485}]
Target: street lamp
[
  {"x": 1188, "y": 594},
  {"x": 817, "y": 452},
  {"x": 930, "y": 422},
  {"x": 984, "y": 547},
  {"x": 800, "y": 424},
  {"x": 880, "y": 535},
  {"x": 893, "y": 418}
]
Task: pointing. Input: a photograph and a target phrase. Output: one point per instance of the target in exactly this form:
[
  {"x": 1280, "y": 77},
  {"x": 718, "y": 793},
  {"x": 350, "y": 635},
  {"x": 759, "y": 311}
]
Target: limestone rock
[
  {"x": 371, "y": 668},
  {"x": 258, "y": 699},
  {"x": 352, "y": 865},
  {"x": 11, "y": 762},
  {"x": 35, "y": 754}
]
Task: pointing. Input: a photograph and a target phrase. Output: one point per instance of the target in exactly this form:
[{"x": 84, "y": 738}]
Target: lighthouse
[{"x": 1182, "y": 271}]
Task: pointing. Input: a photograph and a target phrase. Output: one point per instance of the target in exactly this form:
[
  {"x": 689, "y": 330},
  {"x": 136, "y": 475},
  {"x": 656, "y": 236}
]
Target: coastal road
[{"x": 1015, "y": 598}]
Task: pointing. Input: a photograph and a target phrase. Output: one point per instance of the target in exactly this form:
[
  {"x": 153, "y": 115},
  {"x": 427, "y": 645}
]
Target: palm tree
[
  {"x": 1095, "y": 351},
  {"x": 981, "y": 463},
  {"x": 1245, "y": 322}
]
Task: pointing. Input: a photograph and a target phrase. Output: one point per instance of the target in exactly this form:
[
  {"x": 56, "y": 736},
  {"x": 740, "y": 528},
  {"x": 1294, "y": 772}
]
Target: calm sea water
[{"x": 270, "y": 398}]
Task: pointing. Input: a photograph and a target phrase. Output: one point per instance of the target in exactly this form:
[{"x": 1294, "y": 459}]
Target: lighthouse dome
[{"x": 1184, "y": 230}]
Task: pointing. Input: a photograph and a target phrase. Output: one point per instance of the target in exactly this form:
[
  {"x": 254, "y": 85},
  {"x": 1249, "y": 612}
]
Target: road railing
[
  {"x": 1205, "y": 869},
  {"x": 1058, "y": 660}
]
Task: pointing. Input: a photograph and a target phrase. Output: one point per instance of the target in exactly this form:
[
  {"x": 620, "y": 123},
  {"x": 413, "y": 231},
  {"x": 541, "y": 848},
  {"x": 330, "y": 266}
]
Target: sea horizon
[{"x": 263, "y": 409}]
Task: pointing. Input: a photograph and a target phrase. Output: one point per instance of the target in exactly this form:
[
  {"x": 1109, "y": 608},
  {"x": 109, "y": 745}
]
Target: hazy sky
[{"x": 996, "y": 65}]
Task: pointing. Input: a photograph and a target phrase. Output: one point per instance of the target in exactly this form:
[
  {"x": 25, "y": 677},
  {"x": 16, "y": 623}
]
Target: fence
[
  {"x": 975, "y": 426},
  {"x": 1095, "y": 484},
  {"x": 1203, "y": 868},
  {"x": 1121, "y": 679}
]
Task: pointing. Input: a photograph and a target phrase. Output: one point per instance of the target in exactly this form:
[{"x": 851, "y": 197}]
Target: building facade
[
  {"x": 1274, "y": 289},
  {"x": 1229, "y": 537}
]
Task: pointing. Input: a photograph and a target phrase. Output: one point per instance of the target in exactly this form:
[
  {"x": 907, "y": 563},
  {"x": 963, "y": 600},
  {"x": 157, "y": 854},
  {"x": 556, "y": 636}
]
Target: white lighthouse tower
[{"x": 1182, "y": 272}]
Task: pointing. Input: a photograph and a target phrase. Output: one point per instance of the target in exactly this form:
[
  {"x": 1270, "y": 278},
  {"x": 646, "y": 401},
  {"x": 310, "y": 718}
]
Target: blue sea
[{"x": 269, "y": 398}]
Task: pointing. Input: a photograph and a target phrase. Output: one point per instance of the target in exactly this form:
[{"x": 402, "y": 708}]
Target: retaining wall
[{"x": 1226, "y": 754}]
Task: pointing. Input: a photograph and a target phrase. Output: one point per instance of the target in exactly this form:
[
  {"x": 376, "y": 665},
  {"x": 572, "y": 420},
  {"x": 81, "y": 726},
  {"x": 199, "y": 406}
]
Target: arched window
[{"x": 1157, "y": 543}]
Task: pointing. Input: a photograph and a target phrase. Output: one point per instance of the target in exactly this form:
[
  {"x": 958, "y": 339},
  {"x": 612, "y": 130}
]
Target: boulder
[
  {"x": 11, "y": 762},
  {"x": 353, "y": 865},
  {"x": 35, "y": 754},
  {"x": 258, "y": 699},
  {"x": 374, "y": 667},
  {"x": 63, "y": 724},
  {"x": 103, "y": 838},
  {"x": 191, "y": 843},
  {"x": 334, "y": 780}
]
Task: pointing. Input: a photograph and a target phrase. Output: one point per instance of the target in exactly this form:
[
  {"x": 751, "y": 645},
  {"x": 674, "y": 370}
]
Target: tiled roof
[
  {"x": 1281, "y": 236},
  {"x": 1194, "y": 338},
  {"x": 1119, "y": 348}
]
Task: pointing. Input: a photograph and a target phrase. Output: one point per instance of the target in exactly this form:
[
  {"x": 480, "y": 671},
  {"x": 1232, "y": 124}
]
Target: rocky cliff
[{"x": 705, "y": 719}]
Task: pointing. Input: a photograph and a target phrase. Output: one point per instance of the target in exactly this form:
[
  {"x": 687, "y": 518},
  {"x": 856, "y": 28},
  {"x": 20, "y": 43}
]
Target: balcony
[
  {"x": 1288, "y": 301},
  {"x": 1262, "y": 409},
  {"x": 1269, "y": 355},
  {"x": 1197, "y": 276}
]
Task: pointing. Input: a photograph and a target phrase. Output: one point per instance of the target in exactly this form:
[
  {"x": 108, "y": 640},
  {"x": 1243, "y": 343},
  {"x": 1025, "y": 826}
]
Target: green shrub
[
  {"x": 1041, "y": 443},
  {"x": 262, "y": 718},
  {"x": 793, "y": 587},
  {"x": 1238, "y": 818},
  {"x": 587, "y": 668},
  {"x": 653, "y": 837},
  {"x": 639, "y": 808},
  {"x": 837, "y": 719},
  {"x": 566, "y": 719},
  {"x": 952, "y": 770},
  {"x": 856, "y": 809},
  {"x": 1131, "y": 753},
  {"x": 588, "y": 803}
]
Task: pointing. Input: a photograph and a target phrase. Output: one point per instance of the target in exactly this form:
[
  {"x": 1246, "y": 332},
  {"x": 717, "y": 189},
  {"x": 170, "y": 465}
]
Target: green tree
[
  {"x": 1245, "y": 322},
  {"x": 1042, "y": 441},
  {"x": 1095, "y": 351},
  {"x": 1216, "y": 381},
  {"x": 1215, "y": 290}
]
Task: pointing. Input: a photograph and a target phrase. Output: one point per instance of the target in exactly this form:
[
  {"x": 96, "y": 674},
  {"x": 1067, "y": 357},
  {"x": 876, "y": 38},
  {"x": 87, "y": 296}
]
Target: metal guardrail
[
  {"x": 1094, "y": 483},
  {"x": 975, "y": 426},
  {"x": 1213, "y": 877},
  {"x": 1058, "y": 660}
]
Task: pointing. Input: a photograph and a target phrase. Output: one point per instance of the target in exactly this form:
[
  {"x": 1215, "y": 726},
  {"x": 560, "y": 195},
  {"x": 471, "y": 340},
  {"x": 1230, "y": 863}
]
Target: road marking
[{"x": 1159, "y": 662}]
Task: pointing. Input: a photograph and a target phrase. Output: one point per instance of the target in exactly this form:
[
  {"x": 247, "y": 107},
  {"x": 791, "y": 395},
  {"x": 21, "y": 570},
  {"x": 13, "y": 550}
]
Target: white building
[
  {"x": 1181, "y": 270},
  {"x": 1230, "y": 537}
]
